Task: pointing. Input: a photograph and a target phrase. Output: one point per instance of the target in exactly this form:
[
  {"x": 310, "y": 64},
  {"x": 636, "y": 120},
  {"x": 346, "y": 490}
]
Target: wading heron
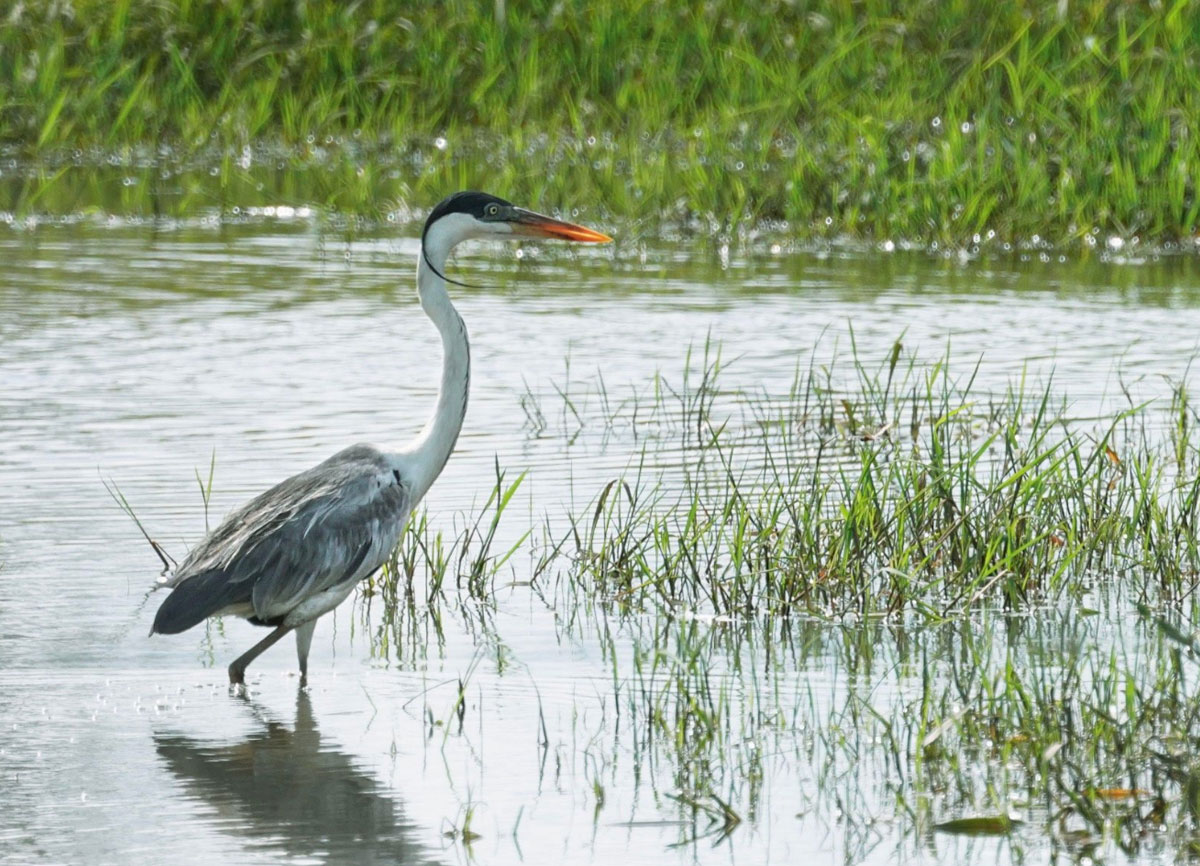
[{"x": 296, "y": 551}]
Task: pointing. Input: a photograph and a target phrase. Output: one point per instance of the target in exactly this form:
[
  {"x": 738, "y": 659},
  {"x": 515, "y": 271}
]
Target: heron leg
[
  {"x": 304, "y": 636},
  {"x": 237, "y": 670}
]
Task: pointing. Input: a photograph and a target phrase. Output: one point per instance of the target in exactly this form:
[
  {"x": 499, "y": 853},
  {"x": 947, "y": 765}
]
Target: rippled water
[{"x": 135, "y": 353}]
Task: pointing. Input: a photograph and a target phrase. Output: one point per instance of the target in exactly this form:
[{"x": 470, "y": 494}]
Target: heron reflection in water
[{"x": 283, "y": 787}]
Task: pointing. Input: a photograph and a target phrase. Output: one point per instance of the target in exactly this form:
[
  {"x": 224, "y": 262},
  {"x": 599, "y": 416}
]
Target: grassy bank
[{"x": 931, "y": 121}]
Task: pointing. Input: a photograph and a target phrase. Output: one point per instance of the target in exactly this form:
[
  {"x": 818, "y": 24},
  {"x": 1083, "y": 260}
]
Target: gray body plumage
[{"x": 313, "y": 535}]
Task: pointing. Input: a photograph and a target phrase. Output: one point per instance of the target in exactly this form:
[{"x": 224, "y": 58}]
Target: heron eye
[{"x": 492, "y": 209}]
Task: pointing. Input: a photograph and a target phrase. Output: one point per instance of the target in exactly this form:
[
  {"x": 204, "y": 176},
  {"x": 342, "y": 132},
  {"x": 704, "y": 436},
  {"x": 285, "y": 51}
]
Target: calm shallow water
[{"x": 134, "y": 353}]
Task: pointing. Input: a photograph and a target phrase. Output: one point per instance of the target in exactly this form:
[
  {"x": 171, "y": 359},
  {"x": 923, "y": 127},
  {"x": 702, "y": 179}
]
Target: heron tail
[{"x": 194, "y": 600}]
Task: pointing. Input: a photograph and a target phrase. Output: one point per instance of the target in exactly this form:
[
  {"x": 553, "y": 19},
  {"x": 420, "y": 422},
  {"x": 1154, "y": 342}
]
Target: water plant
[{"x": 903, "y": 489}]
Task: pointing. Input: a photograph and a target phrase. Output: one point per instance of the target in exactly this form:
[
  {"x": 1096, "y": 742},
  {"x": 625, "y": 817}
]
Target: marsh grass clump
[
  {"x": 933, "y": 122},
  {"x": 906, "y": 488},
  {"x": 865, "y": 489},
  {"x": 924, "y": 605}
]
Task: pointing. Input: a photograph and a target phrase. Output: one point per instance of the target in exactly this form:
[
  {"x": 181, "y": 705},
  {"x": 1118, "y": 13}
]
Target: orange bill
[{"x": 536, "y": 225}]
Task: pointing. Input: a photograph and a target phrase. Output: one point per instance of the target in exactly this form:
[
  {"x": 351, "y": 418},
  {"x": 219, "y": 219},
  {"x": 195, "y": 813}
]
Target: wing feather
[{"x": 336, "y": 522}]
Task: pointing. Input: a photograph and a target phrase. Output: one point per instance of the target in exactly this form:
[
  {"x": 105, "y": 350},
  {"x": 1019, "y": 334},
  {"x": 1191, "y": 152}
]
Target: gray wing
[{"x": 336, "y": 522}]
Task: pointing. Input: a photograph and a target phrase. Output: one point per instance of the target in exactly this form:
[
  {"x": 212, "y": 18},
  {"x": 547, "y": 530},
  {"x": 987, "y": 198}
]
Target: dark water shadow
[{"x": 283, "y": 788}]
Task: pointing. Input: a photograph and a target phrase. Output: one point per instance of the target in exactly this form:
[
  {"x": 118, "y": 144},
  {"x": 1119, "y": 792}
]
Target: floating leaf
[
  {"x": 1118, "y": 794},
  {"x": 994, "y": 825}
]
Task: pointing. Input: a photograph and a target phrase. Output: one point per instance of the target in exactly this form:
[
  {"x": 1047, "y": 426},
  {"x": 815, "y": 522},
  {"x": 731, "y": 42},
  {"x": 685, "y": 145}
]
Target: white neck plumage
[{"x": 432, "y": 448}]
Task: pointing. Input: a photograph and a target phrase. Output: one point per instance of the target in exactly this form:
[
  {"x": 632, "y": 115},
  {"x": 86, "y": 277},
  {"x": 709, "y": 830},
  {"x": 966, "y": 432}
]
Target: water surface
[{"x": 137, "y": 352}]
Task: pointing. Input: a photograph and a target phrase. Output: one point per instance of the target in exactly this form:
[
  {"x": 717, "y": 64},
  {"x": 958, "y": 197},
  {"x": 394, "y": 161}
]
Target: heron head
[{"x": 479, "y": 215}]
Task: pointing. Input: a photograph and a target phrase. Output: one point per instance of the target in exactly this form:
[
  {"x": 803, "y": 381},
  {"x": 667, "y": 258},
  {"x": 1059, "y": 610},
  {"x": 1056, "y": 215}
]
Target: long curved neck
[{"x": 433, "y": 446}]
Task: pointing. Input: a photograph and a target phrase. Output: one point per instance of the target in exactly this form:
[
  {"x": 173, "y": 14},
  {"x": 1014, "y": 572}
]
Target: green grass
[
  {"x": 875, "y": 489},
  {"x": 884, "y": 488},
  {"x": 924, "y": 122}
]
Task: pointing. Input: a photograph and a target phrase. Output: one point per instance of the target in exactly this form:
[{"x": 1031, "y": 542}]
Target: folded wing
[{"x": 336, "y": 522}]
